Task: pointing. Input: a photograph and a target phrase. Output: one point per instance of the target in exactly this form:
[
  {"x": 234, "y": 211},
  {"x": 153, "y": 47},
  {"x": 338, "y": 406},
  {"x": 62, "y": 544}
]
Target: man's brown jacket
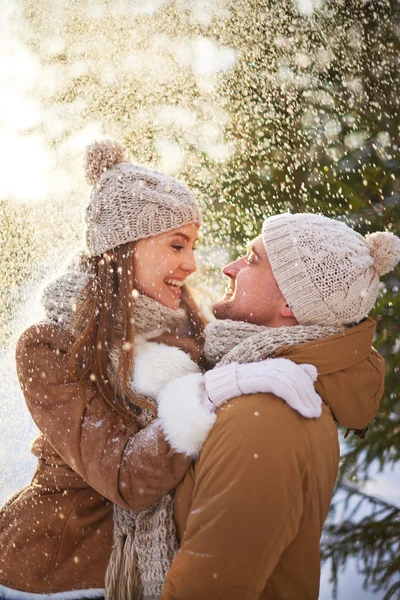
[{"x": 251, "y": 509}]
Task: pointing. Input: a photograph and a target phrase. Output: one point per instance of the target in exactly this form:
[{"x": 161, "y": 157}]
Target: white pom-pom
[
  {"x": 101, "y": 156},
  {"x": 385, "y": 250}
]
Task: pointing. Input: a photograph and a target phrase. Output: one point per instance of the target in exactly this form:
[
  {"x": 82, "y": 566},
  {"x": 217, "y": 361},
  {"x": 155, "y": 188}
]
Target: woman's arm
[
  {"x": 130, "y": 467},
  {"x": 187, "y": 405}
]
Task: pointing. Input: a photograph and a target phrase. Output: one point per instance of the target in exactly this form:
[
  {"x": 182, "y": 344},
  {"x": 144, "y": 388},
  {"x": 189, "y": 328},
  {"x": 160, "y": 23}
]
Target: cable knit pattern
[
  {"x": 130, "y": 202},
  {"x": 327, "y": 272}
]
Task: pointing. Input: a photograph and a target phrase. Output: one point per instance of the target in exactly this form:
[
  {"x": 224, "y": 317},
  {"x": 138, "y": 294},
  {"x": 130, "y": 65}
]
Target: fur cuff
[
  {"x": 185, "y": 414},
  {"x": 156, "y": 365}
]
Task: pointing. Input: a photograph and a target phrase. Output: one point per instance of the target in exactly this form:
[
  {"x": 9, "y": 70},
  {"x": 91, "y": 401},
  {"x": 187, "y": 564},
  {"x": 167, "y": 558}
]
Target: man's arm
[{"x": 248, "y": 500}]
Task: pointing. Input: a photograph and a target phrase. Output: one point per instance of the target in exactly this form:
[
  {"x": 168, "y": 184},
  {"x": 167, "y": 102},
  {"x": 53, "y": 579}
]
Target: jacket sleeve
[
  {"x": 250, "y": 486},
  {"x": 129, "y": 467}
]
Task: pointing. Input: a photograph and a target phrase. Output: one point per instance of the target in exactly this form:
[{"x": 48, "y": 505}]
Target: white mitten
[
  {"x": 155, "y": 365},
  {"x": 185, "y": 413},
  {"x": 279, "y": 376}
]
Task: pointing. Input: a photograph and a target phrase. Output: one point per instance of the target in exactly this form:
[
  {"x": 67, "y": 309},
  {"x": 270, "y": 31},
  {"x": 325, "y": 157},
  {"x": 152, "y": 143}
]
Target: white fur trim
[
  {"x": 10, "y": 594},
  {"x": 185, "y": 415},
  {"x": 156, "y": 365}
]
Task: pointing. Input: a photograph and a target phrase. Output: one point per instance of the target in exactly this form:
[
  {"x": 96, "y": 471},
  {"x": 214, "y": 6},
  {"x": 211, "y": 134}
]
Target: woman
[{"x": 90, "y": 375}]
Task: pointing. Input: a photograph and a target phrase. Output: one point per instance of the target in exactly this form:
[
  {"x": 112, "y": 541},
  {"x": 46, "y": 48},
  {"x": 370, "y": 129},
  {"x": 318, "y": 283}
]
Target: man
[{"x": 250, "y": 512}]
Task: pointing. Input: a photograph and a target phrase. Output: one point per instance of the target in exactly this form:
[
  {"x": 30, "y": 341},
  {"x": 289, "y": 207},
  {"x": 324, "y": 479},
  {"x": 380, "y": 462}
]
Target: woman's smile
[
  {"x": 162, "y": 264},
  {"x": 175, "y": 286}
]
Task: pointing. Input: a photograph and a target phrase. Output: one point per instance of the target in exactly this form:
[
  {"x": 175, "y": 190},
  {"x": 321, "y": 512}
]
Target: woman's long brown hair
[{"x": 109, "y": 293}]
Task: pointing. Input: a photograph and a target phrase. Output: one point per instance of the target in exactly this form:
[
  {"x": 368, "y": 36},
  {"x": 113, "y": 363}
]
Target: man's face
[{"x": 253, "y": 294}]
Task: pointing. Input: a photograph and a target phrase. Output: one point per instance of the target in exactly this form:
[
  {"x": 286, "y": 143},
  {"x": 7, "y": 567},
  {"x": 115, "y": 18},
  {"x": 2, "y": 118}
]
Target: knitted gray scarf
[
  {"x": 144, "y": 541},
  {"x": 236, "y": 341}
]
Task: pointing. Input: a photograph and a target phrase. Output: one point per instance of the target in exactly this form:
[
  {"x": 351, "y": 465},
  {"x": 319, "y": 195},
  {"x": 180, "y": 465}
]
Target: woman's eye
[{"x": 177, "y": 247}]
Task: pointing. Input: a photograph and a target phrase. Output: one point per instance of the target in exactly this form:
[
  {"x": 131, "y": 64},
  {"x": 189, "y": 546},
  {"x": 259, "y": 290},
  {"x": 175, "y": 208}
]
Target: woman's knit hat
[
  {"x": 130, "y": 202},
  {"x": 327, "y": 272}
]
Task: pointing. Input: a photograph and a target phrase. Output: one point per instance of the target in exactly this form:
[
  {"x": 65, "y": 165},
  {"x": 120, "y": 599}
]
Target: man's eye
[{"x": 250, "y": 259}]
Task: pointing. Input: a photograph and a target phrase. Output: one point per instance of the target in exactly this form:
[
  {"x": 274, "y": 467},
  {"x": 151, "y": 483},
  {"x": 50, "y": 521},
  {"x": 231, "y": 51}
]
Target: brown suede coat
[
  {"x": 249, "y": 513},
  {"x": 56, "y": 533}
]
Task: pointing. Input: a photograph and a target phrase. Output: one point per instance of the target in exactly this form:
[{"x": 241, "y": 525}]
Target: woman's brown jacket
[{"x": 56, "y": 533}]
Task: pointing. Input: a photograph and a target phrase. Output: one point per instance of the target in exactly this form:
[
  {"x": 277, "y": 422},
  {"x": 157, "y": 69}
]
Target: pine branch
[{"x": 372, "y": 539}]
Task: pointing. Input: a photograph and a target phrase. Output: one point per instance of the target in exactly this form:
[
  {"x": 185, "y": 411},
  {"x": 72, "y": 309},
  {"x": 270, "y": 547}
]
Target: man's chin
[{"x": 222, "y": 309}]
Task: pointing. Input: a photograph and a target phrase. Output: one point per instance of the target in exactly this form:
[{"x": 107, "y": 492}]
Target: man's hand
[{"x": 279, "y": 376}]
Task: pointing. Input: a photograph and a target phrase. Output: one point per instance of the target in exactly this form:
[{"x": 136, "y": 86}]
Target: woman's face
[{"x": 163, "y": 262}]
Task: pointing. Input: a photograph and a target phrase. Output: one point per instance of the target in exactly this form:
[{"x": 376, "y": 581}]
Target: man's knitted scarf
[
  {"x": 145, "y": 541},
  {"x": 237, "y": 341}
]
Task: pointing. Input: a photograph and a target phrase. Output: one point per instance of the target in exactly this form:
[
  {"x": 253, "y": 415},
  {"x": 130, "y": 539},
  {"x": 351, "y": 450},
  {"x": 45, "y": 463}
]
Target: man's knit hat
[
  {"x": 327, "y": 272},
  {"x": 130, "y": 202}
]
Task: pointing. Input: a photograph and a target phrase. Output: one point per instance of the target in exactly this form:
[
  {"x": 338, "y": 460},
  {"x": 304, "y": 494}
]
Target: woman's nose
[{"x": 189, "y": 262}]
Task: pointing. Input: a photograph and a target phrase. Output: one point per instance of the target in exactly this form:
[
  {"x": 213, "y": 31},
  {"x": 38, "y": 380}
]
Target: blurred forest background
[{"x": 259, "y": 106}]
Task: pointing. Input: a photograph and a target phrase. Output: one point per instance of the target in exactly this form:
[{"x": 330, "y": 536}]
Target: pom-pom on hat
[
  {"x": 327, "y": 272},
  {"x": 101, "y": 156},
  {"x": 385, "y": 250},
  {"x": 130, "y": 202}
]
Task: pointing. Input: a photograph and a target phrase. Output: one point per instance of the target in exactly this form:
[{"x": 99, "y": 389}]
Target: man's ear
[{"x": 286, "y": 311}]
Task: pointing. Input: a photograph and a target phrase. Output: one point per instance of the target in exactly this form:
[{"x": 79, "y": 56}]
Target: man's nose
[{"x": 233, "y": 268}]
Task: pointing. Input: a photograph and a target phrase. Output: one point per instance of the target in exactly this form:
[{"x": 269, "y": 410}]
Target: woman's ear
[{"x": 286, "y": 311}]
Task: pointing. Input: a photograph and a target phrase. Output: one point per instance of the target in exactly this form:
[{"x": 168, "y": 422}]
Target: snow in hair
[{"x": 385, "y": 250}]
